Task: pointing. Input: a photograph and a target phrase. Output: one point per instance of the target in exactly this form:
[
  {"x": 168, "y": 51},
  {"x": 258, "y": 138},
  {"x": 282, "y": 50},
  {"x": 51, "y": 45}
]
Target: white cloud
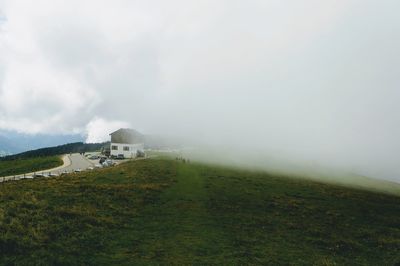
[
  {"x": 98, "y": 129},
  {"x": 312, "y": 79}
]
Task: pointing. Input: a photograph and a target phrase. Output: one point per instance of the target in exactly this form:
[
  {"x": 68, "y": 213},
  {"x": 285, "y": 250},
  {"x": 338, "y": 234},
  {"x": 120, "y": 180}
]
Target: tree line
[{"x": 77, "y": 147}]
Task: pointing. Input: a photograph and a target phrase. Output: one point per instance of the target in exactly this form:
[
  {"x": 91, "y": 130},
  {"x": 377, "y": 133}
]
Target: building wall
[{"x": 128, "y": 150}]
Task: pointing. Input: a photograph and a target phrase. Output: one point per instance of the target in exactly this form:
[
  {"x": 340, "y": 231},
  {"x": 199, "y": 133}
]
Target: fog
[{"x": 308, "y": 83}]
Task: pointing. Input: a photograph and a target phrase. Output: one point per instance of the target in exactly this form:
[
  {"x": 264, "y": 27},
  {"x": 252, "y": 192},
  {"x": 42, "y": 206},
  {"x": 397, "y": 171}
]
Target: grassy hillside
[
  {"x": 21, "y": 166},
  {"x": 168, "y": 212}
]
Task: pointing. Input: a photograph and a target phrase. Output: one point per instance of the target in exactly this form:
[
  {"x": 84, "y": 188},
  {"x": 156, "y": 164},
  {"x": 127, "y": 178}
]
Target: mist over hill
[{"x": 307, "y": 81}]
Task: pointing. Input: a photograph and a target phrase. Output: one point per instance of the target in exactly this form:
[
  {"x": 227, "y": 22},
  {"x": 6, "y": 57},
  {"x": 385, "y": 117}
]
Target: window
[
  {"x": 114, "y": 147},
  {"x": 126, "y": 148}
]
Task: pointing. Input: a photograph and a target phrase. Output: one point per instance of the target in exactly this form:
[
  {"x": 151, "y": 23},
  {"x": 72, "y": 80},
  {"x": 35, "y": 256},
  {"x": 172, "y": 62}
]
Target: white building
[{"x": 127, "y": 143}]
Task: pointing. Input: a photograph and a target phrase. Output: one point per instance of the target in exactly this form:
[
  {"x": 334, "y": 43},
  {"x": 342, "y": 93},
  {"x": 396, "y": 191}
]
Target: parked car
[
  {"x": 108, "y": 162},
  {"x": 120, "y": 157},
  {"x": 94, "y": 157},
  {"x": 102, "y": 160}
]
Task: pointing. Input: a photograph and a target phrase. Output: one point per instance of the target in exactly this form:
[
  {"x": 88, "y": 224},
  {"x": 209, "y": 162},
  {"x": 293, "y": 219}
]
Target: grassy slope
[
  {"x": 166, "y": 212},
  {"x": 21, "y": 166}
]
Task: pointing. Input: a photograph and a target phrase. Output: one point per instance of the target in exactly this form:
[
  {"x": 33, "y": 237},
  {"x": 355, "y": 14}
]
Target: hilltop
[{"x": 163, "y": 211}]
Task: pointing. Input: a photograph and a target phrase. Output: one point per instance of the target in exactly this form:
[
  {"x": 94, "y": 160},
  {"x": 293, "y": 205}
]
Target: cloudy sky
[{"x": 310, "y": 79}]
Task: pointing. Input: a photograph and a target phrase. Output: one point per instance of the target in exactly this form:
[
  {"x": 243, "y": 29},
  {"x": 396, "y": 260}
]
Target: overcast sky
[{"x": 310, "y": 79}]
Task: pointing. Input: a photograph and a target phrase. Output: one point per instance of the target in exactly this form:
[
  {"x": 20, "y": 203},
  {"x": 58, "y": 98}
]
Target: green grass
[
  {"x": 167, "y": 212},
  {"x": 22, "y": 166}
]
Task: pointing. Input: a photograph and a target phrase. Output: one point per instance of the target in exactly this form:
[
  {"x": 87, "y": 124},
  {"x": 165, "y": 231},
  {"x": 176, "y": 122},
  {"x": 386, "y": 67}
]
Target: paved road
[
  {"x": 77, "y": 162},
  {"x": 71, "y": 163}
]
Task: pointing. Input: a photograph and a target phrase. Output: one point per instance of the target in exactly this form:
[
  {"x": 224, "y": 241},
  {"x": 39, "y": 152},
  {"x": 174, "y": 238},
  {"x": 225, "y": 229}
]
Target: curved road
[
  {"x": 77, "y": 162},
  {"x": 72, "y": 162}
]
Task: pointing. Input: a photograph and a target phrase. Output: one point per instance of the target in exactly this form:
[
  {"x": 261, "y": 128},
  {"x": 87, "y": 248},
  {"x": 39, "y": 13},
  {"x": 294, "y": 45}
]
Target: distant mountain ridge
[
  {"x": 58, "y": 150},
  {"x": 6, "y": 146},
  {"x": 13, "y": 142}
]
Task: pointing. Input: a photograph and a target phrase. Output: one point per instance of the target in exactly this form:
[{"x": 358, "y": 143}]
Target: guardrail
[
  {"x": 44, "y": 174},
  {"x": 55, "y": 172}
]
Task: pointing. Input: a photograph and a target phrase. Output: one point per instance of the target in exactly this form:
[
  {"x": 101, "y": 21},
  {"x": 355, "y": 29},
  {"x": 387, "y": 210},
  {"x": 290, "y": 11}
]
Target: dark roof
[{"x": 126, "y": 135}]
